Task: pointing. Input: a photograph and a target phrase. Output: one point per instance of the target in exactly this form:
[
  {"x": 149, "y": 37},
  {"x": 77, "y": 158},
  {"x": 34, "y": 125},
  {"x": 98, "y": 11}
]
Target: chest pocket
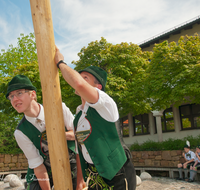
[{"x": 83, "y": 131}]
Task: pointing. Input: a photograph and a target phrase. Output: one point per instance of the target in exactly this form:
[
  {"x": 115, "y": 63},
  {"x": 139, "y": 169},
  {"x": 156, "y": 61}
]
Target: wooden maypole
[{"x": 44, "y": 35}]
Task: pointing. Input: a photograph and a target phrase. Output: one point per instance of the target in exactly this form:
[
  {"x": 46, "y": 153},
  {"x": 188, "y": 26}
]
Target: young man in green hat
[
  {"x": 101, "y": 157},
  {"x": 193, "y": 169},
  {"x": 30, "y": 133},
  {"x": 189, "y": 157}
]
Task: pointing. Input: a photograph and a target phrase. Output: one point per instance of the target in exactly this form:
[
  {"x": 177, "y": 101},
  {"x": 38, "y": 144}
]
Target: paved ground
[
  {"x": 156, "y": 183},
  {"x": 161, "y": 183}
]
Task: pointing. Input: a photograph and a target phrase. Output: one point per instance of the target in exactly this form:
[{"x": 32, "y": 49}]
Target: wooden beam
[{"x": 52, "y": 101}]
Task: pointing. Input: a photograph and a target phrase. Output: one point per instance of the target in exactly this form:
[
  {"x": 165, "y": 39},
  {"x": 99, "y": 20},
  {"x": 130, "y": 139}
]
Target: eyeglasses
[{"x": 18, "y": 94}]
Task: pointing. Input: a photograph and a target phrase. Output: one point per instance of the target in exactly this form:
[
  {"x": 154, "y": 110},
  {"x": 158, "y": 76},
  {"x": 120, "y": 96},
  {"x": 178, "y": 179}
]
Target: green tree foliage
[
  {"x": 173, "y": 73},
  {"x": 125, "y": 64},
  {"x": 15, "y": 60},
  {"x": 136, "y": 84},
  {"x": 22, "y": 60}
]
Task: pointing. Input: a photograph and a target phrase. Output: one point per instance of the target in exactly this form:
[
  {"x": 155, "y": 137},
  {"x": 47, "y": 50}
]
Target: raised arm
[{"x": 75, "y": 80}]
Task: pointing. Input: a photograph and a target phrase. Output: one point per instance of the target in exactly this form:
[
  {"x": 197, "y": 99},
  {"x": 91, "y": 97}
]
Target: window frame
[
  {"x": 122, "y": 125},
  {"x": 191, "y": 117},
  {"x": 142, "y": 123},
  {"x": 164, "y": 119}
]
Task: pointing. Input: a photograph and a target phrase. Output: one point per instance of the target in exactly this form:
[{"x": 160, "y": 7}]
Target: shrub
[{"x": 169, "y": 144}]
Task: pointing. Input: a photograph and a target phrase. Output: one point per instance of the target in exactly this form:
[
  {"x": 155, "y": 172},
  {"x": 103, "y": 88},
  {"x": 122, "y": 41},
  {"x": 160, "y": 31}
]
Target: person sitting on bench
[
  {"x": 193, "y": 169},
  {"x": 189, "y": 157}
]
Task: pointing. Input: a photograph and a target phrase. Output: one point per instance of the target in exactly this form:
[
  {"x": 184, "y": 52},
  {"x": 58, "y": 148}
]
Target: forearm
[
  {"x": 195, "y": 163},
  {"x": 80, "y": 180},
  {"x": 185, "y": 159},
  {"x": 86, "y": 91},
  {"x": 70, "y": 135},
  {"x": 42, "y": 176},
  {"x": 189, "y": 161},
  {"x": 71, "y": 76}
]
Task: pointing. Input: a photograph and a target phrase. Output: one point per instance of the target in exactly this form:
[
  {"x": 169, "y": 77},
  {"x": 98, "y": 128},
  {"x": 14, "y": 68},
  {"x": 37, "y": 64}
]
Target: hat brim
[
  {"x": 95, "y": 75},
  {"x": 18, "y": 87}
]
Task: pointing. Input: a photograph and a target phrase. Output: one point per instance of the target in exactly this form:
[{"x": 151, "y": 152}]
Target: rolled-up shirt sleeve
[
  {"x": 29, "y": 149},
  {"x": 106, "y": 107},
  {"x": 193, "y": 156}
]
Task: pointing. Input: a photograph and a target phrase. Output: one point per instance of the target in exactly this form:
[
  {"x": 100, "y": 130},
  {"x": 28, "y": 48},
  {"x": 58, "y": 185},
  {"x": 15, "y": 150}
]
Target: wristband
[{"x": 61, "y": 61}]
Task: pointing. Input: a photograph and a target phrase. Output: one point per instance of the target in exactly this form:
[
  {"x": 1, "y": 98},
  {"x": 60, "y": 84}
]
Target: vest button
[{"x": 38, "y": 135}]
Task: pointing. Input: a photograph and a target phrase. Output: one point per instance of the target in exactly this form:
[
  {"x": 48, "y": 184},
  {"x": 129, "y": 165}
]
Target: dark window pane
[
  {"x": 170, "y": 125},
  {"x": 145, "y": 118},
  {"x": 186, "y": 123},
  {"x": 138, "y": 119},
  {"x": 163, "y": 126},
  {"x": 197, "y": 122},
  {"x": 185, "y": 110},
  {"x": 168, "y": 113},
  {"x": 195, "y": 109},
  {"x": 145, "y": 128},
  {"x": 125, "y": 131},
  {"x": 167, "y": 120},
  {"x": 141, "y": 124},
  {"x": 124, "y": 126},
  {"x": 138, "y": 129}
]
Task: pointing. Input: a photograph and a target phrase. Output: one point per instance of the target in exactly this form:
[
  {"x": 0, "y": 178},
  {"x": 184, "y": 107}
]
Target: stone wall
[
  {"x": 13, "y": 162},
  {"x": 140, "y": 159},
  {"x": 157, "y": 158}
]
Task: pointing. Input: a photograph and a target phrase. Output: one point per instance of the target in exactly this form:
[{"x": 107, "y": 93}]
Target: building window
[
  {"x": 141, "y": 124},
  {"x": 190, "y": 116},
  {"x": 167, "y": 120},
  {"x": 124, "y": 126}
]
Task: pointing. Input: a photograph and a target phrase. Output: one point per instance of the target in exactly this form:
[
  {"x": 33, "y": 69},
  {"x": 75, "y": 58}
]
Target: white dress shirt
[
  {"x": 29, "y": 149},
  {"x": 107, "y": 109},
  {"x": 190, "y": 155}
]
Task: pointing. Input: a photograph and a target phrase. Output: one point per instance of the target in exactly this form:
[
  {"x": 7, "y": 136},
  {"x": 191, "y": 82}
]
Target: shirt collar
[{"x": 79, "y": 108}]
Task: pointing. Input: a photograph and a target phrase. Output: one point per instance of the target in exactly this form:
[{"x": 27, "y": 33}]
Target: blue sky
[{"x": 78, "y": 22}]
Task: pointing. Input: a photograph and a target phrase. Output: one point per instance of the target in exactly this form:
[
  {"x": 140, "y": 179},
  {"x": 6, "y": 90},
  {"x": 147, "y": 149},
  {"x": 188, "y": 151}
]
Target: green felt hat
[
  {"x": 20, "y": 82},
  {"x": 98, "y": 73}
]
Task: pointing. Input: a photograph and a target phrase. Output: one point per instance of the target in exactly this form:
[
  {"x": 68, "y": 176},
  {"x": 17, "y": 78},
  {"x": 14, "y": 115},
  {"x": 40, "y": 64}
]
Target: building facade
[{"x": 173, "y": 122}]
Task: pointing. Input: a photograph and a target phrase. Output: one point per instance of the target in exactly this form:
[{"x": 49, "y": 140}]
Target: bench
[{"x": 173, "y": 172}]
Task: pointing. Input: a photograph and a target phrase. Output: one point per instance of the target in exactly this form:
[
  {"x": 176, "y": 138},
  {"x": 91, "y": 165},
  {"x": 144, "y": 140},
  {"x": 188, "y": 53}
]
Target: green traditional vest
[
  {"x": 103, "y": 145},
  {"x": 35, "y": 136}
]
